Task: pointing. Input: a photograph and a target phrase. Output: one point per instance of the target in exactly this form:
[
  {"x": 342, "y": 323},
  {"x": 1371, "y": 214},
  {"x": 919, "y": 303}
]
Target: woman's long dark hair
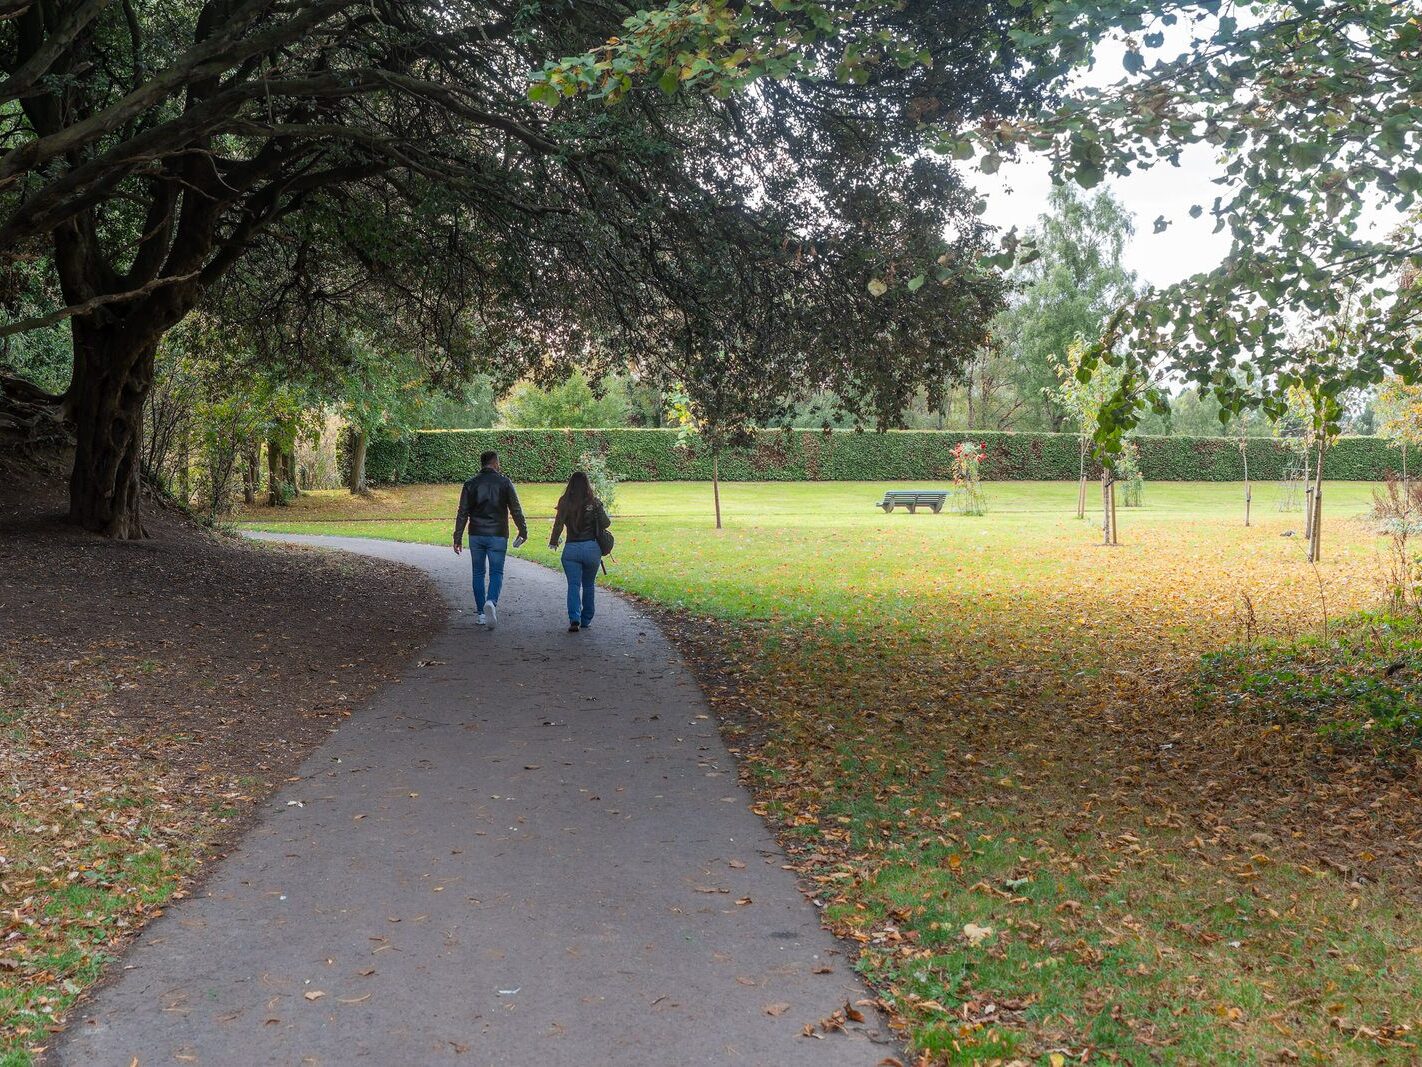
[{"x": 576, "y": 497}]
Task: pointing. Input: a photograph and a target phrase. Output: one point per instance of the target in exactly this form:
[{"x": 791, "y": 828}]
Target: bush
[
  {"x": 652, "y": 455},
  {"x": 1133, "y": 493},
  {"x": 968, "y": 459},
  {"x": 604, "y": 483},
  {"x": 1345, "y": 685}
]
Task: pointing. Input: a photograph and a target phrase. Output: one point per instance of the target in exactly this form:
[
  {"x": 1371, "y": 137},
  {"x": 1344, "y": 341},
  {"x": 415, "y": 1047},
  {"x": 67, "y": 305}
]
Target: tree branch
[
  {"x": 37, "y": 64},
  {"x": 39, "y": 322}
]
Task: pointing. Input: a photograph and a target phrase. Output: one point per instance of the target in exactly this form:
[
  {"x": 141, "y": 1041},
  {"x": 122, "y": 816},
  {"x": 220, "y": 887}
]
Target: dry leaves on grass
[{"x": 1035, "y": 756}]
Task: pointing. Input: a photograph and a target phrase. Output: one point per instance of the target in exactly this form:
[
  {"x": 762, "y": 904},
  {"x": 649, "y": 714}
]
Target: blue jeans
[
  {"x": 580, "y": 563},
  {"x": 490, "y": 552}
]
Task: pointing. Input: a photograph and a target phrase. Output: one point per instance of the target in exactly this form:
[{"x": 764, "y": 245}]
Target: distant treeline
[{"x": 841, "y": 455}]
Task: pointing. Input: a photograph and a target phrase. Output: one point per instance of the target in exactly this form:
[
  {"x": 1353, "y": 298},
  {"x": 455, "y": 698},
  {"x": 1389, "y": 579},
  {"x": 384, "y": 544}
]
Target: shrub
[
  {"x": 604, "y": 483},
  {"x": 968, "y": 459},
  {"x": 651, "y": 455},
  {"x": 1129, "y": 471}
]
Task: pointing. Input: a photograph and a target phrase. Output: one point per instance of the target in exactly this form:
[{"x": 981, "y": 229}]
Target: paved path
[{"x": 531, "y": 851}]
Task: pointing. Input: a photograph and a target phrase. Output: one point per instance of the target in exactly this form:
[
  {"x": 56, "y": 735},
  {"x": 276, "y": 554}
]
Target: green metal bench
[{"x": 913, "y": 499}]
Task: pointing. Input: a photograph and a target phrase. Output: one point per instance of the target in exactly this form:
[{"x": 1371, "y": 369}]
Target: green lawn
[
  {"x": 1059, "y": 828},
  {"x": 817, "y": 550}
]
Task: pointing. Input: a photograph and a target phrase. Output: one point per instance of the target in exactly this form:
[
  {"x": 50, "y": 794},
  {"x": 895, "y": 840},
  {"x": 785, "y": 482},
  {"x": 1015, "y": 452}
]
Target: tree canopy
[
  {"x": 1312, "y": 107},
  {"x": 1065, "y": 294},
  {"x": 572, "y": 403},
  {"x": 388, "y": 154}
]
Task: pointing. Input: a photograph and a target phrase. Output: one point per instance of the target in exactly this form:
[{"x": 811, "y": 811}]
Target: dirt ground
[{"x": 256, "y": 650}]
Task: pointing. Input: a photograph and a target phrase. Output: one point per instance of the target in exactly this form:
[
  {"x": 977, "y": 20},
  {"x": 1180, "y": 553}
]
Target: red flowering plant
[{"x": 968, "y": 459}]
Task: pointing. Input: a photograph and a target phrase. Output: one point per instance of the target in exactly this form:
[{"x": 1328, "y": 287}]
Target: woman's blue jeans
[{"x": 580, "y": 563}]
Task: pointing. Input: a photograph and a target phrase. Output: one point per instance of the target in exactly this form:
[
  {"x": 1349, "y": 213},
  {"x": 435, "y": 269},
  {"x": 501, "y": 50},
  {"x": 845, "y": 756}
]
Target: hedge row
[{"x": 654, "y": 455}]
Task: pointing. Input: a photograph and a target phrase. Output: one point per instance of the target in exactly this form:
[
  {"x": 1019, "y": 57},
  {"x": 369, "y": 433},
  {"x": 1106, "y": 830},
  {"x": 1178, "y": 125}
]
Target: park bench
[{"x": 913, "y": 499}]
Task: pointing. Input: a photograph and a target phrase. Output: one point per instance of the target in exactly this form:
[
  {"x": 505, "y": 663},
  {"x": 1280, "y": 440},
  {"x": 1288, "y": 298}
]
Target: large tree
[
  {"x": 1065, "y": 294},
  {"x": 148, "y": 149}
]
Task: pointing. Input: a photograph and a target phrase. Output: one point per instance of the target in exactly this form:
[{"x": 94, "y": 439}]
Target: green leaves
[
  {"x": 1314, "y": 111},
  {"x": 542, "y": 92},
  {"x": 1318, "y": 112}
]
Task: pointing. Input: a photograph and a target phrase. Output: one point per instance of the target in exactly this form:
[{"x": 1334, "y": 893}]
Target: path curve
[{"x": 533, "y": 850}]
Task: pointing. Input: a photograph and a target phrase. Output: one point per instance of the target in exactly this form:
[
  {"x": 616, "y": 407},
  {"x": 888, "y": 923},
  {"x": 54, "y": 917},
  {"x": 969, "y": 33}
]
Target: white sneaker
[
  {"x": 492, "y": 611},
  {"x": 481, "y": 619}
]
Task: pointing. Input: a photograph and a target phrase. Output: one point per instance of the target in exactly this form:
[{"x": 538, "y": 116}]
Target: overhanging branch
[{"x": 39, "y": 322}]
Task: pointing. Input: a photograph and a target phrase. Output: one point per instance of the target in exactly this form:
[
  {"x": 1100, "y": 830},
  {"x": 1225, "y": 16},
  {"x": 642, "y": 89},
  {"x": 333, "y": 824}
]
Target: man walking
[{"x": 485, "y": 503}]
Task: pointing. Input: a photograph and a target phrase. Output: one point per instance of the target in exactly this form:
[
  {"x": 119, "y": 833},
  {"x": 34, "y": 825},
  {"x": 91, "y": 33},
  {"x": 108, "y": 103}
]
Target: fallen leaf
[{"x": 976, "y": 934}]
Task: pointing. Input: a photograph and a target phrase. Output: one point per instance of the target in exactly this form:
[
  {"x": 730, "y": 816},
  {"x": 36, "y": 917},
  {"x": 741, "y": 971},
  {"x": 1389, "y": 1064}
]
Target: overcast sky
[{"x": 1017, "y": 195}]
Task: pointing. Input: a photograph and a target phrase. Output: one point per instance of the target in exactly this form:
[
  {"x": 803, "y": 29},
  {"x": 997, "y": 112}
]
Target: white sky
[{"x": 1017, "y": 194}]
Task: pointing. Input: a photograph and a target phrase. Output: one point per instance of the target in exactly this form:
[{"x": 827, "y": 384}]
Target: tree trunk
[
  {"x": 1081, "y": 480},
  {"x": 185, "y": 464},
  {"x": 359, "y": 441},
  {"x": 251, "y": 473},
  {"x": 288, "y": 460},
  {"x": 112, "y": 376},
  {"x": 1115, "y": 538},
  {"x": 1244, "y": 455},
  {"x": 273, "y": 472},
  {"x": 1315, "y": 541},
  {"x": 716, "y": 483}
]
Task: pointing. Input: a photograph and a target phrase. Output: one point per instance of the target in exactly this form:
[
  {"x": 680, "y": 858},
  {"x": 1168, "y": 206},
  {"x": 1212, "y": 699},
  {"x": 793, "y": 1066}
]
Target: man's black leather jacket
[{"x": 485, "y": 503}]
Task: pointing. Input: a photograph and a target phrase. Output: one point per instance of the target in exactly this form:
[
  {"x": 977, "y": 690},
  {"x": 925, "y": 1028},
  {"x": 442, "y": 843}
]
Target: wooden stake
[
  {"x": 716, "y": 483},
  {"x": 1308, "y": 495},
  {"x": 1248, "y": 496},
  {"x": 1081, "y": 481},
  {"x": 1315, "y": 544}
]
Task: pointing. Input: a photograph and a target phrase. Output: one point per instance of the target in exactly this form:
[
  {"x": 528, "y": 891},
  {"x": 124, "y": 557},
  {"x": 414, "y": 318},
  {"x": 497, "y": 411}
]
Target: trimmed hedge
[{"x": 807, "y": 455}]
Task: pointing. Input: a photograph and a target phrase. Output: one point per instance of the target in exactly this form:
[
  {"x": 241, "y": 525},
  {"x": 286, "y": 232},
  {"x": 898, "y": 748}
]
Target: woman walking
[{"x": 585, "y": 519}]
